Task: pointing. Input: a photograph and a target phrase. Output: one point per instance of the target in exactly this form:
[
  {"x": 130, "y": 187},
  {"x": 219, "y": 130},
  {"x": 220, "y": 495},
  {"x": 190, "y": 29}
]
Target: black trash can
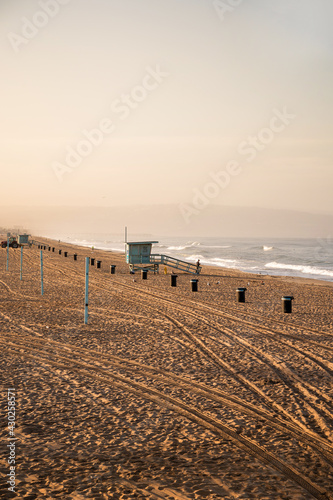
[
  {"x": 49, "y": 249},
  {"x": 44, "y": 247},
  {"x": 174, "y": 279},
  {"x": 112, "y": 269},
  {"x": 59, "y": 252},
  {"x": 98, "y": 264},
  {"x": 38, "y": 246},
  {"x": 194, "y": 285},
  {"x": 240, "y": 294},
  {"x": 287, "y": 303},
  {"x": 53, "y": 249},
  {"x": 75, "y": 256},
  {"x": 144, "y": 274},
  {"x": 92, "y": 261},
  {"x": 65, "y": 254}
]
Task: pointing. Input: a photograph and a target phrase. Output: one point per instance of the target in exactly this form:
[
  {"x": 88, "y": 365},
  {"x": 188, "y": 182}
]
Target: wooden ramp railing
[{"x": 182, "y": 265}]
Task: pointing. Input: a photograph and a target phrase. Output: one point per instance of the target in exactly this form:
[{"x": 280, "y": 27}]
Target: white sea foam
[
  {"x": 299, "y": 269},
  {"x": 177, "y": 248},
  {"x": 266, "y": 248},
  {"x": 215, "y": 261},
  {"x": 189, "y": 244},
  {"x": 220, "y": 261}
]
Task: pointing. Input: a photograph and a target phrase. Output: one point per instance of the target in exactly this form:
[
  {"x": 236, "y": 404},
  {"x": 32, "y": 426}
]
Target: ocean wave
[
  {"x": 299, "y": 268},
  {"x": 189, "y": 244},
  {"x": 267, "y": 248},
  {"x": 215, "y": 261},
  {"x": 177, "y": 248},
  {"x": 195, "y": 257},
  {"x": 227, "y": 261},
  {"x": 215, "y": 246}
]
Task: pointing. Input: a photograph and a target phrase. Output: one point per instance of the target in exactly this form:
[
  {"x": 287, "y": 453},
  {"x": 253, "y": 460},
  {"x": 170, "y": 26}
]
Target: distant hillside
[{"x": 168, "y": 220}]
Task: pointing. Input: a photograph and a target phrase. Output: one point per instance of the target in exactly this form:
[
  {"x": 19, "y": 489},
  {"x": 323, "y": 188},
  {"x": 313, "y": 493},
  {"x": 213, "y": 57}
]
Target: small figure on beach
[{"x": 198, "y": 264}]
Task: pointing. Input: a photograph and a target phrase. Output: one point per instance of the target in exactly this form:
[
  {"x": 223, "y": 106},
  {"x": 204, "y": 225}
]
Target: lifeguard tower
[
  {"x": 139, "y": 257},
  {"x": 23, "y": 239},
  {"x": 138, "y": 254}
]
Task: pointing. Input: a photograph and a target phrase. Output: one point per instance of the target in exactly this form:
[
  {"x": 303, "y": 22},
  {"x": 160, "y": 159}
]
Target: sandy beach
[{"x": 165, "y": 393}]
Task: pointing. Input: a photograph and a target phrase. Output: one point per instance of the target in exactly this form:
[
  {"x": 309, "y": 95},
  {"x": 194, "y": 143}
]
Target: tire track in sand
[
  {"x": 41, "y": 344},
  {"x": 187, "y": 411}
]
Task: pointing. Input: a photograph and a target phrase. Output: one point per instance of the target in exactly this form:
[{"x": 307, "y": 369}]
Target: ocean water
[{"x": 308, "y": 258}]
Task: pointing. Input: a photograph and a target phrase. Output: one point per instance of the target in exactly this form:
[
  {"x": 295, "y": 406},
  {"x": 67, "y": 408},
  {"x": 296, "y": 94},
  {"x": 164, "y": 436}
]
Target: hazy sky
[{"x": 196, "y": 101}]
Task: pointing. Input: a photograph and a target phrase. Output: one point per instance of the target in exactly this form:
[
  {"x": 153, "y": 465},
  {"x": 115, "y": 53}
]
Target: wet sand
[{"x": 165, "y": 393}]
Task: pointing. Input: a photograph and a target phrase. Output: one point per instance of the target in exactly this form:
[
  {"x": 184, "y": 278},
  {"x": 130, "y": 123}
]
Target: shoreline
[{"x": 211, "y": 270}]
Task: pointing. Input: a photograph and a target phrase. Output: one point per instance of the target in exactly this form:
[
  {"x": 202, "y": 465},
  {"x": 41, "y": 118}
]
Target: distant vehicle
[{"x": 12, "y": 243}]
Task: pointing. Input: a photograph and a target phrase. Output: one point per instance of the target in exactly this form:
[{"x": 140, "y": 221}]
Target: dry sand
[{"x": 166, "y": 393}]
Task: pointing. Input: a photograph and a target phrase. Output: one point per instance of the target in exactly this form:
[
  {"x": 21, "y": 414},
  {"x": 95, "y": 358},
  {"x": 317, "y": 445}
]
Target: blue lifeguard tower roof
[{"x": 140, "y": 242}]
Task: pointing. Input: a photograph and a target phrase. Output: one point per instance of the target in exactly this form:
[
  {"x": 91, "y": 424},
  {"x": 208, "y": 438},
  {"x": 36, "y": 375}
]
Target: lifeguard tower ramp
[
  {"x": 139, "y": 257},
  {"x": 181, "y": 265}
]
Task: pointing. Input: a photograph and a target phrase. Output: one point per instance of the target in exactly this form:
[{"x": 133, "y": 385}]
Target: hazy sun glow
[{"x": 115, "y": 102}]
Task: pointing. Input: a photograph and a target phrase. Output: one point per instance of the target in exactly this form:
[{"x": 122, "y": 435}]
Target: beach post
[
  {"x": 125, "y": 240},
  {"x": 144, "y": 273},
  {"x": 112, "y": 269},
  {"x": 65, "y": 254},
  {"x": 98, "y": 264},
  {"x": 173, "y": 279},
  {"x": 92, "y": 261},
  {"x": 41, "y": 272},
  {"x": 21, "y": 266},
  {"x": 86, "y": 292},
  {"x": 7, "y": 265},
  {"x": 75, "y": 256},
  {"x": 240, "y": 294},
  {"x": 287, "y": 304}
]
